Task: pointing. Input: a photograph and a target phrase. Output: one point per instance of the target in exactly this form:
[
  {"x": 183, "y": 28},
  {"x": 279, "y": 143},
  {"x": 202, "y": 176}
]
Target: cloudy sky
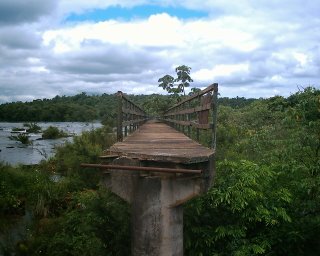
[{"x": 252, "y": 48}]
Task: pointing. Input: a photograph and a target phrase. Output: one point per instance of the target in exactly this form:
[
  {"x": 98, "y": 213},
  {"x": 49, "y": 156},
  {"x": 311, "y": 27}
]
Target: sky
[{"x": 251, "y": 48}]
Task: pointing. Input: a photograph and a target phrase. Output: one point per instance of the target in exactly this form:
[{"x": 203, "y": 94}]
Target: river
[{"x": 14, "y": 152}]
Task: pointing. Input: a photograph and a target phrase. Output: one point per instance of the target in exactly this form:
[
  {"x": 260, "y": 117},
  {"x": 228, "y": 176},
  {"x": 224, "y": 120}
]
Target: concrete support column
[{"x": 157, "y": 213}]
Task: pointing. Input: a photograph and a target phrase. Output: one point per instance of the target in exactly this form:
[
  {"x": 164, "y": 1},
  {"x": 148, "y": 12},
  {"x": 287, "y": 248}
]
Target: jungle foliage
[
  {"x": 266, "y": 196},
  {"x": 72, "y": 215},
  {"x": 83, "y": 108},
  {"x": 265, "y": 199}
]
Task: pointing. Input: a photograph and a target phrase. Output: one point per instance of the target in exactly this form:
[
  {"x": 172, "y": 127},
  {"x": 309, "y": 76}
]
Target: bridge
[{"x": 158, "y": 164}]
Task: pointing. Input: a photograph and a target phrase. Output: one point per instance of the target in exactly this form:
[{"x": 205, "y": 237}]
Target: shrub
[
  {"x": 32, "y": 127},
  {"x": 84, "y": 149},
  {"x": 53, "y": 133},
  {"x": 23, "y": 138},
  {"x": 95, "y": 223}
]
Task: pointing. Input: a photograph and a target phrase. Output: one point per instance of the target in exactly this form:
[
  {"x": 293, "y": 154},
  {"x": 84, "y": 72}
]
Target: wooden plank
[
  {"x": 190, "y": 123},
  {"x": 210, "y": 88},
  {"x": 203, "y": 116},
  {"x": 190, "y": 110},
  {"x": 159, "y": 142}
]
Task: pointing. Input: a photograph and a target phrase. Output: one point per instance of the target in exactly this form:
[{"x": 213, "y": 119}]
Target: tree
[
  {"x": 177, "y": 85},
  {"x": 167, "y": 83},
  {"x": 183, "y": 73}
]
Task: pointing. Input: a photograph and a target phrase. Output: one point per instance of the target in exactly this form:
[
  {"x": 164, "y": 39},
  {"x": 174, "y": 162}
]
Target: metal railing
[
  {"x": 197, "y": 112},
  {"x": 130, "y": 116},
  {"x": 141, "y": 168}
]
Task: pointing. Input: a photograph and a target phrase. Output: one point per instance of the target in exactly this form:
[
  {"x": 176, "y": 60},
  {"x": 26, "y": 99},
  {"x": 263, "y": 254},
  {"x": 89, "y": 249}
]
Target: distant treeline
[{"x": 83, "y": 107}]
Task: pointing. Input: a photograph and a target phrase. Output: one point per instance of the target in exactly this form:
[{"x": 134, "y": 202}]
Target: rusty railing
[
  {"x": 196, "y": 113},
  {"x": 130, "y": 116}
]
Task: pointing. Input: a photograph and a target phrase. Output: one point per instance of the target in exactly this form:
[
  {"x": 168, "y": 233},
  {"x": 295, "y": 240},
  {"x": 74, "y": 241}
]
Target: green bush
[
  {"x": 95, "y": 223},
  {"x": 53, "y": 133},
  {"x": 240, "y": 215},
  {"x": 32, "y": 127},
  {"x": 23, "y": 138},
  {"x": 12, "y": 190},
  {"x": 84, "y": 149}
]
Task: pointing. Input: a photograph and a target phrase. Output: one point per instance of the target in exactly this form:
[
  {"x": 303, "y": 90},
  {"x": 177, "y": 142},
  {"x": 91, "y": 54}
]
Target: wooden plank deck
[{"x": 155, "y": 141}]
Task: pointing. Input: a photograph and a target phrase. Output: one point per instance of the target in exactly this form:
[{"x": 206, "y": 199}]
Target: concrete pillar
[{"x": 156, "y": 203}]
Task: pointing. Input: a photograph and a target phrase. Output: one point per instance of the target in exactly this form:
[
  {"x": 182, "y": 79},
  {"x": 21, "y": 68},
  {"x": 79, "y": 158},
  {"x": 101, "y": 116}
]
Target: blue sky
[
  {"x": 136, "y": 12},
  {"x": 250, "y": 48}
]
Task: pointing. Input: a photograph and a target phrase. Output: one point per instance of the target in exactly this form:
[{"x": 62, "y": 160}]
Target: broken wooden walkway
[
  {"x": 157, "y": 141},
  {"x": 156, "y": 168}
]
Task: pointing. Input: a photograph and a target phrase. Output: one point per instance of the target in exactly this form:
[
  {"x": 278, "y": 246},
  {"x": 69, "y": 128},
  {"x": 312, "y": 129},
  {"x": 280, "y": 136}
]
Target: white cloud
[
  {"x": 221, "y": 71},
  {"x": 301, "y": 58},
  {"x": 277, "y": 79},
  {"x": 158, "y": 31},
  {"x": 250, "y": 49}
]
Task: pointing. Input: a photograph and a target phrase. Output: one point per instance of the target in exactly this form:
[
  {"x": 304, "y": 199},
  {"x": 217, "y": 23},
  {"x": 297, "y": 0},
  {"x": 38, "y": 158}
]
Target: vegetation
[
  {"x": 18, "y": 129},
  {"x": 53, "y": 132},
  {"x": 22, "y": 137},
  {"x": 72, "y": 215},
  {"x": 32, "y": 127},
  {"x": 81, "y": 107},
  {"x": 176, "y": 86},
  {"x": 265, "y": 199}
]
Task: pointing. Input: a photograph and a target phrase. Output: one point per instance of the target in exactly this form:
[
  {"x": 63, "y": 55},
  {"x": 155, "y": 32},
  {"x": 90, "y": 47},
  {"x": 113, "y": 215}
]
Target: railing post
[
  {"x": 130, "y": 117},
  {"x": 188, "y": 119},
  {"x": 120, "y": 117},
  {"x": 198, "y": 117},
  {"x": 126, "y": 119},
  {"x": 214, "y": 115}
]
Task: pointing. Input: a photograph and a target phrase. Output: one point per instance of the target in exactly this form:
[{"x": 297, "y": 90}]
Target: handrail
[
  {"x": 130, "y": 116},
  {"x": 194, "y": 111}
]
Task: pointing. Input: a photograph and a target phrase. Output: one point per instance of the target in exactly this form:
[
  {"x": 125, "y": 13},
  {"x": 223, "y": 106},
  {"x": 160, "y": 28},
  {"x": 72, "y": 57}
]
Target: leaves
[
  {"x": 53, "y": 132},
  {"x": 23, "y": 138},
  {"x": 183, "y": 79},
  {"x": 266, "y": 196},
  {"x": 167, "y": 83}
]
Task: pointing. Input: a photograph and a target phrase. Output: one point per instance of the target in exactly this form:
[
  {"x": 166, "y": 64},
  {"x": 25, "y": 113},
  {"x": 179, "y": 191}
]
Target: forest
[
  {"x": 265, "y": 199},
  {"x": 83, "y": 107}
]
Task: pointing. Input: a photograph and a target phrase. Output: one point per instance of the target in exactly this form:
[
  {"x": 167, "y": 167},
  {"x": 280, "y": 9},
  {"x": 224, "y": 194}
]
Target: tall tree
[
  {"x": 167, "y": 83},
  {"x": 183, "y": 78},
  {"x": 177, "y": 85}
]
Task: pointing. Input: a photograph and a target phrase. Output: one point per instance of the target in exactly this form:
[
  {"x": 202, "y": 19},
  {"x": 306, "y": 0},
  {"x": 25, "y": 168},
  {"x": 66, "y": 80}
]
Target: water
[{"x": 14, "y": 152}]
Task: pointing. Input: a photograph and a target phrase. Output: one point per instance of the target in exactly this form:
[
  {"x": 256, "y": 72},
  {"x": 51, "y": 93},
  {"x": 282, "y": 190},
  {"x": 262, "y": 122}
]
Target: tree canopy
[{"x": 177, "y": 85}]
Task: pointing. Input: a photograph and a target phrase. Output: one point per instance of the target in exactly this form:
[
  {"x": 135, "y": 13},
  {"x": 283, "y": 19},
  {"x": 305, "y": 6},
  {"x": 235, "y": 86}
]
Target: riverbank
[
  {"x": 40, "y": 215},
  {"x": 14, "y": 152}
]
